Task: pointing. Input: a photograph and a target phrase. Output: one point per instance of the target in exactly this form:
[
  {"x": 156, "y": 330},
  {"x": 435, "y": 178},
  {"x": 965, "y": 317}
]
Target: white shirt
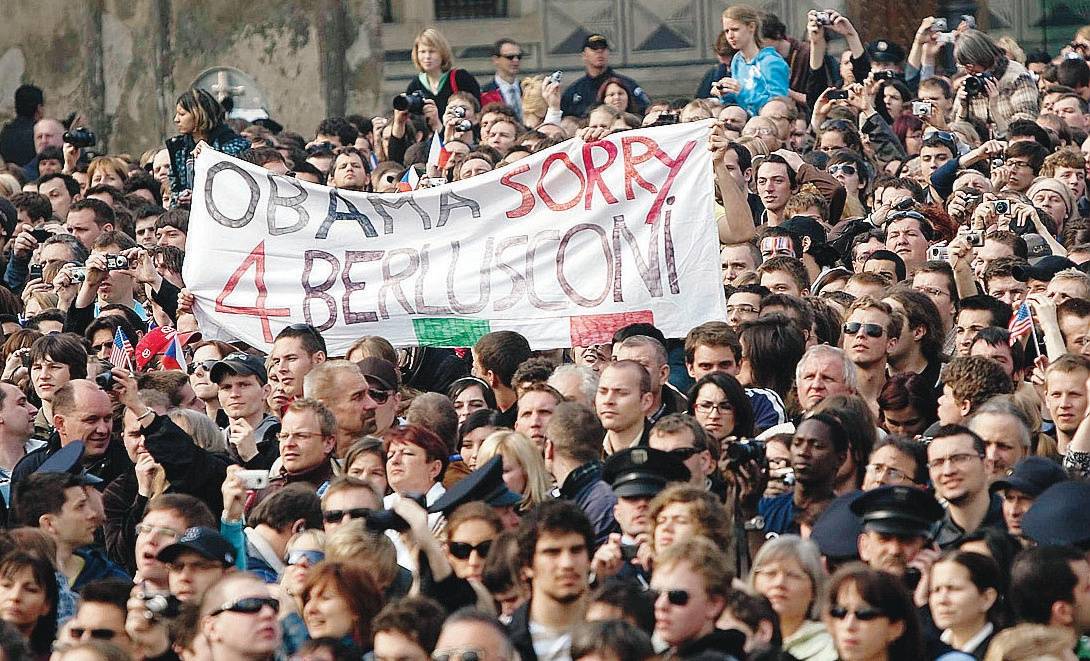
[
  {"x": 511, "y": 93},
  {"x": 404, "y": 557},
  {"x": 550, "y": 645}
]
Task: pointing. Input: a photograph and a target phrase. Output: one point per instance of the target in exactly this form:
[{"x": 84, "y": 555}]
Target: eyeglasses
[
  {"x": 310, "y": 556},
  {"x": 675, "y": 597},
  {"x": 463, "y": 654},
  {"x": 956, "y": 460},
  {"x": 743, "y": 309},
  {"x": 462, "y": 550},
  {"x": 872, "y": 330},
  {"x": 512, "y": 56},
  {"x": 718, "y": 407},
  {"x": 205, "y": 365},
  {"x": 248, "y": 605},
  {"x": 847, "y": 168},
  {"x": 881, "y": 471},
  {"x": 333, "y": 516},
  {"x": 148, "y": 529},
  {"x": 932, "y": 291},
  {"x": 380, "y": 396},
  {"x": 861, "y": 614},
  {"x": 684, "y": 453},
  {"x": 1020, "y": 164},
  {"x": 97, "y": 634}
]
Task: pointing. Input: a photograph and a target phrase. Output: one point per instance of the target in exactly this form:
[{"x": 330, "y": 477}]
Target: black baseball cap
[
  {"x": 1031, "y": 476},
  {"x": 240, "y": 364},
  {"x": 205, "y": 542},
  {"x": 596, "y": 42},
  {"x": 380, "y": 371}
]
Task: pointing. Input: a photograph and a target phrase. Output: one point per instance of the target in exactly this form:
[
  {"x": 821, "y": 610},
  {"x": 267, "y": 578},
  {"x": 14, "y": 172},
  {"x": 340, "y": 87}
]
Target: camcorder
[{"x": 745, "y": 450}]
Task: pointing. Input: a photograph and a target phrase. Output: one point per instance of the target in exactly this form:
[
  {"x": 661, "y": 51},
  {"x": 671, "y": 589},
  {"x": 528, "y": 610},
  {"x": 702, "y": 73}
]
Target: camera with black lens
[
  {"x": 745, "y": 450},
  {"x": 78, "y": 274},
  {"x": 1002, "y": 207},
  {"x": 939, "y": 25},
  {"x": 975, "y": 239},
  {"x": 116, "y": 262},
  {"x": 975, "y": 84},
  {"x": 383, "y": 520},
  {"x": 823, "y": 19},
  {"x": 162, "y": 606},
  {"x": 884, "y": 75},
  {"x": 997, "y": 163},
  {"x": 105, "y": 380},
  {"x": 80, "y": 137},
  {"x": 412, "y": 103},
  {"x": 556, "y": 76},
  {"x": 460, "y": 113}
]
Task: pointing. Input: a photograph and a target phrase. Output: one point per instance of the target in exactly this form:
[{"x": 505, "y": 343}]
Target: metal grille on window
[{"x": 458, "y": 9}]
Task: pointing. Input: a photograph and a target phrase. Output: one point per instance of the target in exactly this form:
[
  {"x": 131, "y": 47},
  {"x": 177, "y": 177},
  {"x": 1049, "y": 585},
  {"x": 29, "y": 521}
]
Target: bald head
[
  {"x": 76, "y": 395},
  {"x": 48, "y": 132}
]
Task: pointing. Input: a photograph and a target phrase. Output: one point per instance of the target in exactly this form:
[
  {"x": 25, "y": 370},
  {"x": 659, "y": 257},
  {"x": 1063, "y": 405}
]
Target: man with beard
[
  {"x": 818, "y": 449},
  {"x": 955, "y": 461},
  {"x": 344, "y": 390},
  {"x": 554, "y": 543}
]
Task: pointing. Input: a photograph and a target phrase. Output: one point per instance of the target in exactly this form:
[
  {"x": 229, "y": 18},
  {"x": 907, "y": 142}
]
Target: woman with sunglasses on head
[
  {"x": 470, "y": 532},
  {"x": 965, "y": 601},
  {"x": 788, "y": 571},
  {"x": 871, "y": 616},
  {"x": 205, "y": 354},
  {"x": 302, "y": 552},
  {"x": 28, "y": 599}
]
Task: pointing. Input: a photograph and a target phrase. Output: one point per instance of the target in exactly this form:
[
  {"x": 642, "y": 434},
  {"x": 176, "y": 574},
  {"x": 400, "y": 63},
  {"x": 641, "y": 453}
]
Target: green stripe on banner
[{"x": 435, "y": 332}]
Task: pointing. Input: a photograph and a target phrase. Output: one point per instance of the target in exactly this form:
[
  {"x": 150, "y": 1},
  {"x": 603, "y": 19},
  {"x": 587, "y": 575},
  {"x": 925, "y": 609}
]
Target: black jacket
[
  {"x": 463, "y": 81},
  {"x": 583, "y": 93},
  {"x": 719, "y": 644},
  {"x": 108, "y": 467},
  {"x": 189, "y": 470},
  {"x": 519, "y": 629}
]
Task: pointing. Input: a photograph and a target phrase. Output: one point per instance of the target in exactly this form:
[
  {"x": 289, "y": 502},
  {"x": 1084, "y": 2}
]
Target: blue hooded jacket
[{"x": 763, "y": 78}]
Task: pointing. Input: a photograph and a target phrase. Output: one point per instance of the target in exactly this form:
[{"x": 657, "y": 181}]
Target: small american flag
[
  {"x": 1021, "y": 323},
  {"x": 121, "y": 354}
]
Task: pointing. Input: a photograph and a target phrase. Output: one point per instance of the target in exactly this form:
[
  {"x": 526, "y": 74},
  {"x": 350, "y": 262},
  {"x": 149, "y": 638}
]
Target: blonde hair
[
  {"x": 1014, "y": 51},
  {"x": 352, "y": 542},
  {"x": 200, "y": 428},
  {"x": 1028, "y": 641},
  {"x": 756, "y": 146},
  {"x": 533, "y": 103},
  {"x": 434, "y": 39},
  {"x": 747, "y": 15},
  {"x": 516, "y": 446},
  {"x": 9, "y": 185},
  {"x": 108, "y": 163}
]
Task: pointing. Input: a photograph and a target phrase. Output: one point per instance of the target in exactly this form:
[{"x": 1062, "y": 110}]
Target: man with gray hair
[
  {"x": 470, "y": 629},
  {"x": 576, "y": 382},
  {"x": 1003, "y": 426},
  {"x": 823, "y": 372},
  {"x": 650, "y": 353},
  {"x": 573, "y": 448},
  {"x": 341, "y": 386}
]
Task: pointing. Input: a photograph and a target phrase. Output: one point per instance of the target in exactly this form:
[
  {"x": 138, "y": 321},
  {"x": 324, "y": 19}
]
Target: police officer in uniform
[{"x": 583, "y": 93}]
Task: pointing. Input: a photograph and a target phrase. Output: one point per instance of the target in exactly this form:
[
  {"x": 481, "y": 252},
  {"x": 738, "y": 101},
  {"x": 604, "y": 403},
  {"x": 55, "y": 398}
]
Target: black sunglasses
[
  {"x": 861, "y": 614},
  {"x": 872, "y": 330},
  {"x": 205, "y": 365},
  {"x": 512, "y": 56},
  {"x": 249, "y": 605},
  {"x": 684, "y": 453},
  {"x": 462, "y": 550},
  {"x": 380, "y": 396},
  {"x": 333, "y": 516},
  {"x": 846, "y": 168},
  {"x": 675, "y": 597},
  {"x": 97, "y": 634}
]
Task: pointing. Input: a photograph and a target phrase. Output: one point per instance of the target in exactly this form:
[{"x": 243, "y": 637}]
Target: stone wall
[{"x": 122, "y": 64}]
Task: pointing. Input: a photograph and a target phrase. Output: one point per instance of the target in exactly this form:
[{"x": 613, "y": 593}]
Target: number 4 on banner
[{"x": 257, "y": 259}]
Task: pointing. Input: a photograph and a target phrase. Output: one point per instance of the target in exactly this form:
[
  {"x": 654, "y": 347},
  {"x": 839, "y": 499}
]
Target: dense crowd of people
[{"x": 880, "y": 453}]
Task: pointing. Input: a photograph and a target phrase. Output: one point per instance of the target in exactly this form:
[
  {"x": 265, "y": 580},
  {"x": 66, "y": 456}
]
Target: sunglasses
[
  {"x": 380, "y": 396},
  {"x": 312, "y": 557},
  {"x": 205, "y": 365},
  {"x": 862, "y": 614},
  {"x": 462, "y": 550},
  {"x": 249, "y": 605},
  {"x": 675, "y": 597},
  {"x": 97, "y": 634},
  {"x": 846, "y": 168},
  {"x": 684, "y": 453},
  {"x": 512, "y": 56},
  {"x": 872, "y": 330},
  {"x": 333, "y": 516}
]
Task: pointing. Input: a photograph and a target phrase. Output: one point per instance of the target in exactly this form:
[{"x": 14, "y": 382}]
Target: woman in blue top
[{"x": 756, "y": 74}]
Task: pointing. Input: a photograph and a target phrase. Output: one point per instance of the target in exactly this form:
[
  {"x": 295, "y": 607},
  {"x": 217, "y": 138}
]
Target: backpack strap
[{"x": 452, "y": 78}]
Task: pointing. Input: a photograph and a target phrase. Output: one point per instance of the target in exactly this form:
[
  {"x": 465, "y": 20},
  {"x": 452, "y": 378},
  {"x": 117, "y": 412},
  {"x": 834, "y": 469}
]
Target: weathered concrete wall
[{"x": 122, "y": 64}]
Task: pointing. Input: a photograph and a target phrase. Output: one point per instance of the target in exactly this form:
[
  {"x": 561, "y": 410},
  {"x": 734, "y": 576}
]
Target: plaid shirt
[{"x": 1017, "y": 99}]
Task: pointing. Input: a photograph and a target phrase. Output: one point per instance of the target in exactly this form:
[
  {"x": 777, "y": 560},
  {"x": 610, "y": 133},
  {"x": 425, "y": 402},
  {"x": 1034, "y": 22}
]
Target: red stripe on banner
[{"x": 599, "y": 328}]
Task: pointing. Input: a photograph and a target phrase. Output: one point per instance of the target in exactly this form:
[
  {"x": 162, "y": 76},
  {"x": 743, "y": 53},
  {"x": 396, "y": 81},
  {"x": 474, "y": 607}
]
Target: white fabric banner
[{"x": 564, "y": 246}]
